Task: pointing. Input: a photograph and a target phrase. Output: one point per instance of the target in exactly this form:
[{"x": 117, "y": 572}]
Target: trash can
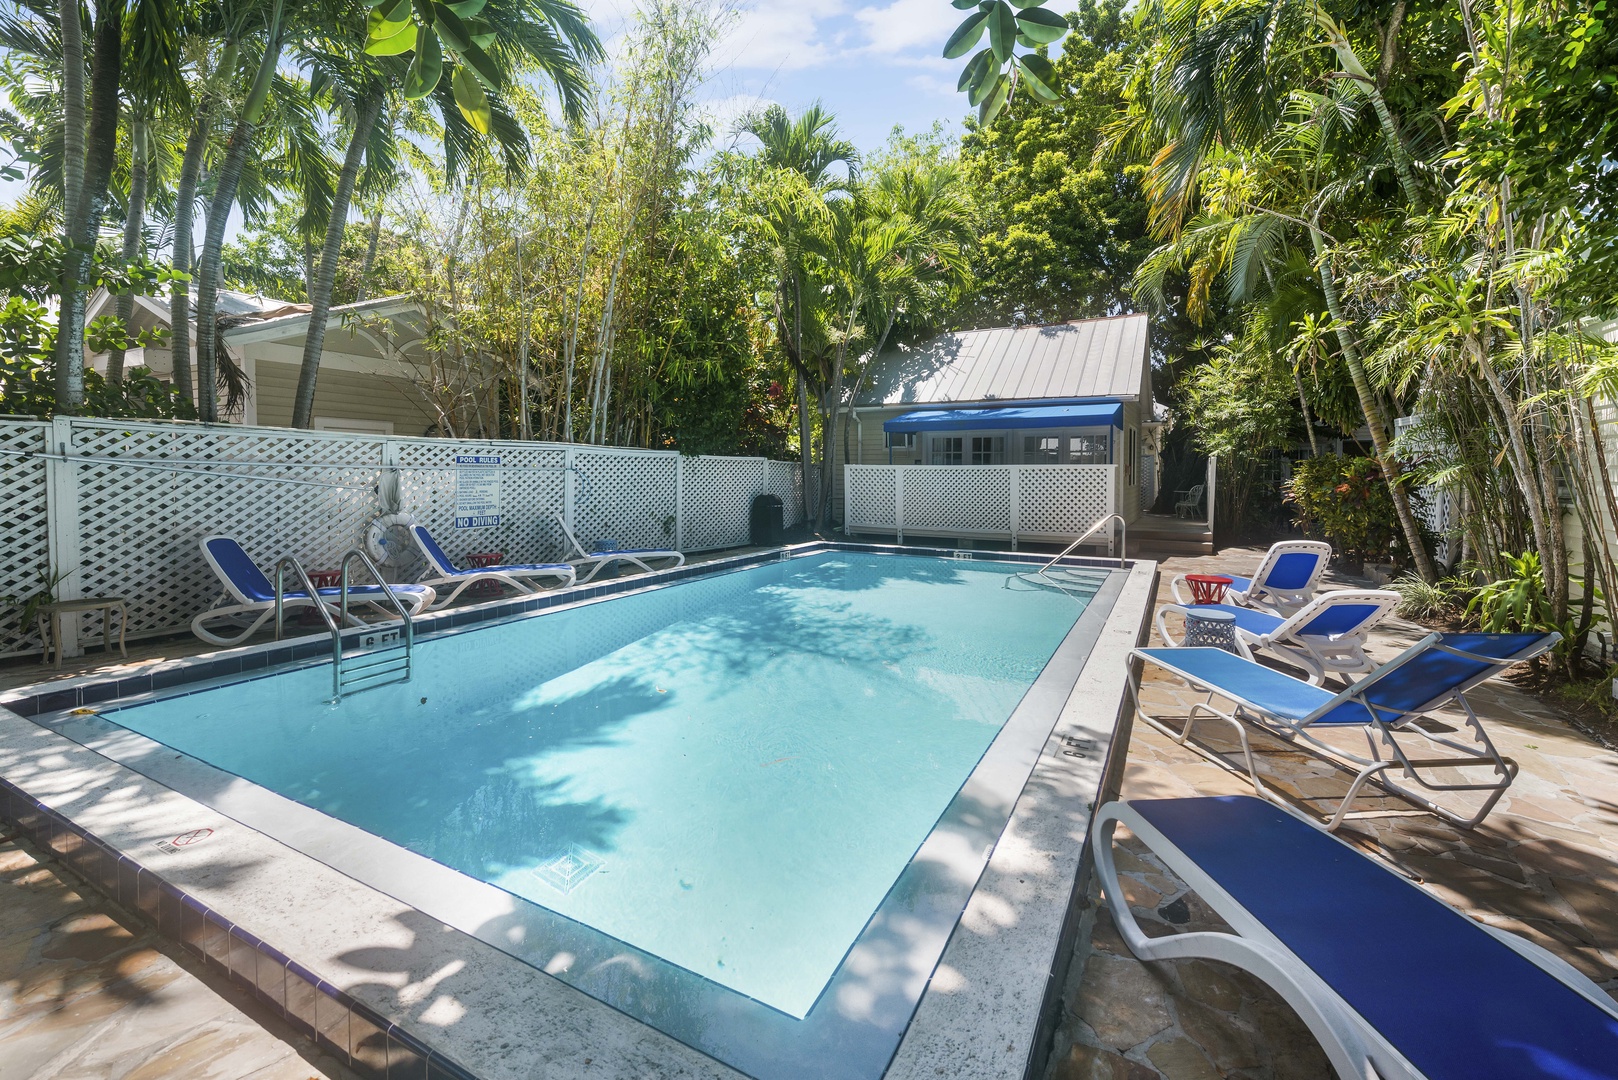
[{"x": 764, "y": 523}]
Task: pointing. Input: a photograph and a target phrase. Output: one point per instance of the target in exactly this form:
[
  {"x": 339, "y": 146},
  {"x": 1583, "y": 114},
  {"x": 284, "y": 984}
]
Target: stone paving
[
  {"x": 1543, "y": 864},
  {"x": 88, "y": 992}
]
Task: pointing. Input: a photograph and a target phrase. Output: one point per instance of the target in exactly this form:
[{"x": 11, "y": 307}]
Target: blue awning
[{"x": 1076, "y": 415}]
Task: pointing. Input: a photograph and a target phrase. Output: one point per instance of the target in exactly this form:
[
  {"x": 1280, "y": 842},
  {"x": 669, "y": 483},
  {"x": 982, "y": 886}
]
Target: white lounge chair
[
  {"x": 247, "y": 600},
  {"x": 1393, "y": 983},
  {"x": 591, "y": 563},
  {"x": 1286, "y": 579},
  {"x": 1385, "y": 705},
  {"x": 518, "y": 576},
  {"x": 1326, "y": 635}
]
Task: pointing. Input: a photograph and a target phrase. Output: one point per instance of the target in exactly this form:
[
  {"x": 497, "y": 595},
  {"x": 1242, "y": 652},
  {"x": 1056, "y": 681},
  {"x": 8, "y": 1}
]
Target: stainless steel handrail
[
  {"x": 376, "y": 575},
  {"x": 320, "y": 606},
  {"x": 1123, "y": 539}
]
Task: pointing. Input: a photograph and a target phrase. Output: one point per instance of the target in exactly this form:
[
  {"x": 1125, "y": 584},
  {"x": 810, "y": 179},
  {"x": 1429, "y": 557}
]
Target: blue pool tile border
[
  {"x": 42, "y": 698},
  {"x": 348, "y": 1029}
]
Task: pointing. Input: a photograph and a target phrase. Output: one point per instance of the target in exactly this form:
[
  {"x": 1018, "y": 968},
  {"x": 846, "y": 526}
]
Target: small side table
[
  {"x": 477, "y": 559},
  {"x": 325, "y": 579},
  {"x": 1212, "y": 630},
  {"x": 1208, "y": 588},
  {"x": 50, "y": 618}
]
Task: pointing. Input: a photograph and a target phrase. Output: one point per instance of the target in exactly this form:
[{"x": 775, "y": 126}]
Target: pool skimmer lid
[{"x": 564, "y": 872}]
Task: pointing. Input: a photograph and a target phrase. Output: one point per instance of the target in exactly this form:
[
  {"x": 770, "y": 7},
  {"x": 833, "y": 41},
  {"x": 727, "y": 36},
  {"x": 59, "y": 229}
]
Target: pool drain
[{"x": 564, "y": 872}]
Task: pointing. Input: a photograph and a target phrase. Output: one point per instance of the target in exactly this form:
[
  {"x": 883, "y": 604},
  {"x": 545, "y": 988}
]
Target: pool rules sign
[{"x": 477, "y": 491}]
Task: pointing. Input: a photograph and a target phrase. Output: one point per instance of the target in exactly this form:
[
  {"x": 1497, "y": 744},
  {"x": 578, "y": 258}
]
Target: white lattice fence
[
  {"x": 126, "y": 508},
  {"x": 951, "y": 499},
  {"x": 1062, "y": 500},
  {"x": 717, "y": 496},
  {"x": 631, "y": 496},
  {"x": 1043, "y": 502},
  {"x": 533, "y": 490},
  {"x": 24, "y": 535},
  {"x": 870, "y": 497},
  {"x": 786, "y": 484},
  {"x": 138, "y": 522}
]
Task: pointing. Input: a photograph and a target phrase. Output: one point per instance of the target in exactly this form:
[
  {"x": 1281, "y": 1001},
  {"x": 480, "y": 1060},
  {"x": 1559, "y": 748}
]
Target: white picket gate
[{"x": 120, "y": 505}]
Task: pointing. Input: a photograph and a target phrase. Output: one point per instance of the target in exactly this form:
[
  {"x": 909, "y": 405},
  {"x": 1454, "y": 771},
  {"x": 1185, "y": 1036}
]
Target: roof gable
[{"x": 1100, "y": 358}]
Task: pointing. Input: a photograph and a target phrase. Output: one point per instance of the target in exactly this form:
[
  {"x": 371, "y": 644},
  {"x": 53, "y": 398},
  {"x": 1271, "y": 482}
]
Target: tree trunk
[
  {"x": 92, "y": 165},
  {"x": 210, "y": 267},
  {"x": 370, "y": 253},
  {"x": 1373, "y": 418},
  {"x": 134, "y": 222},
  {"x": 72, "y": 115},
  {"x": 321, "y": 288},
  {"x": 185, "y": 197}
]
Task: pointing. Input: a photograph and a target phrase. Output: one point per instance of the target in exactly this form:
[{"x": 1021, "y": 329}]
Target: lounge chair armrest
[
  {"x": 1174, "y": 587},
  {"x": 1162, "y": 625}
]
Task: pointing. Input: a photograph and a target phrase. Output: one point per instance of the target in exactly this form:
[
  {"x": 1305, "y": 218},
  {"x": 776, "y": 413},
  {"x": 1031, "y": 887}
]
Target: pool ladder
[
  {"x": 383, "y": 657},
  {"x": 1044, "y": 576}
]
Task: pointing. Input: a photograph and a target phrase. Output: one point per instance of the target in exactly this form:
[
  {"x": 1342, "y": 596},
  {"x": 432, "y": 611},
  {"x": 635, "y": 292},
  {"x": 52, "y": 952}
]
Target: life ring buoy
[{"x": 377, "y": 542}]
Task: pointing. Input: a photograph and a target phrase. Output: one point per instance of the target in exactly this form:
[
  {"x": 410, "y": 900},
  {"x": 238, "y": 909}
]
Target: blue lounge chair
[
  {"x": 1393, "y": 983},
  {"x": 1325, "y": 635},
  {"x": 608, "y": 553},
  {"x": 247, "y": 600},
  {"x": 517, "y": 576},
  {"x": 1437, "y": 670},
  {"x": 1286, "y": 579}
]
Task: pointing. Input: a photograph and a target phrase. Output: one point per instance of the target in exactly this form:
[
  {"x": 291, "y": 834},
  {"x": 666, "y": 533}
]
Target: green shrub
[{"x": 1344, "y": 501}]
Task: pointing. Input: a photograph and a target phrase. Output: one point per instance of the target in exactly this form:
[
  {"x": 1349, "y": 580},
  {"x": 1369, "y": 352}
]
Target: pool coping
[{"x": 990, "y": 987}]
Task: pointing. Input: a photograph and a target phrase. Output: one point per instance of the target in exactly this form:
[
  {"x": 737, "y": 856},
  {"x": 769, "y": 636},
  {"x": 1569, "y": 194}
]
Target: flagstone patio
[
  {"x": 1544, "y": 864},
  {"x": 86, "y": 990}
]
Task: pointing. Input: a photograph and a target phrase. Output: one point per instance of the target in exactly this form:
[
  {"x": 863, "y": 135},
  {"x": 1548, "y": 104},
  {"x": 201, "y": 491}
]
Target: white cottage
[
  {"x": 1014, "y": 433},
  {"x": 371, "y": 367}
]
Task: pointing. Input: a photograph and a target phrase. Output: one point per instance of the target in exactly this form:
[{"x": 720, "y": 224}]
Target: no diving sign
[
  {"x": 477, "y": 491},
  {"x": 179, "y": 843}
]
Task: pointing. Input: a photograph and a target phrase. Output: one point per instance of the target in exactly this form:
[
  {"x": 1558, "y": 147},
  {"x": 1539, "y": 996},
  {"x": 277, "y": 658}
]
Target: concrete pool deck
[
  {"x": 1544, "y": 864},
  {"x": 408, "y": 988}
]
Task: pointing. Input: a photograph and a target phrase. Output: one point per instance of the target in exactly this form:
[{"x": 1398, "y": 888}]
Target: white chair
[
  {"x": 1327, "y": 634},
  {"x": 592, "y": 563},
  {"x": 1189, "y": 502},
  {"x": 1286, "y": 579},
  {"x": 517, "y": 576},
  {"x": 247, "y": 601},
  {"x": 1385, "y": 705},
  {"x": 1392, "y": 982}
]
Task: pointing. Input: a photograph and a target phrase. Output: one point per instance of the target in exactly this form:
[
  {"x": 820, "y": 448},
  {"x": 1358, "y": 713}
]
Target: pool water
[{"x": 728, "y": 773}]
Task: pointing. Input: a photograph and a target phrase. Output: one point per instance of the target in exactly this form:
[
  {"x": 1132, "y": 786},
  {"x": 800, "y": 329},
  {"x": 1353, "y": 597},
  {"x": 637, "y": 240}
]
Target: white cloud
[
  {"x": 933, "y": 84},
  {"x": 782, "y": 35},
  {"x": 909, "y": 24}
]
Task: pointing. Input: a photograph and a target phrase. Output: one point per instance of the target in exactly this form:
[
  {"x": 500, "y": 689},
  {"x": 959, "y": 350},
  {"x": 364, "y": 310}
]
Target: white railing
[
  {"x": 1048, "y": 503},
  {"x": 119, "y": 506}
]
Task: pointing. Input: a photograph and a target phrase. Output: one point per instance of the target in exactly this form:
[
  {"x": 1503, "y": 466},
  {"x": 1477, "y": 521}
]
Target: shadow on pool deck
[{"x": 1541, "y": 865}]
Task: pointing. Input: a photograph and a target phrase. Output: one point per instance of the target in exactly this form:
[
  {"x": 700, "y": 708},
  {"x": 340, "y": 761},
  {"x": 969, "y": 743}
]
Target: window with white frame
[
  {"x": 1042, "y": 449},
  {"x": 988, "y": 449},
  {"x": 901, "y": 440},
  {"x": 1088, "y": 449},
  {"x": 947, "y": 449}
]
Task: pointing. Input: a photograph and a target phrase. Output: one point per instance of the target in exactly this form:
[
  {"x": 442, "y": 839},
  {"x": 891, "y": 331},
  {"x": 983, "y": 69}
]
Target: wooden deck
[{"x": 1157, "y": 535}]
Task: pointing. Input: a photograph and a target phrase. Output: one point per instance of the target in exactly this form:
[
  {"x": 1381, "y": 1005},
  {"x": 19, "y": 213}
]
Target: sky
[{"x": 873, "y": 65}]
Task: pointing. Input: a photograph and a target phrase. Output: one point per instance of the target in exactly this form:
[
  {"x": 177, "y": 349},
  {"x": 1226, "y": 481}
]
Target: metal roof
[{"x": 1092, "y": 358}]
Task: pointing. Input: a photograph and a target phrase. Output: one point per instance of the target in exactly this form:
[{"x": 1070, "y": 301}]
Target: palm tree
[
  {"x": 802, "y": 152},
  {"x": 1224, "y": 77},
  {"x": 548, "y": 36}
]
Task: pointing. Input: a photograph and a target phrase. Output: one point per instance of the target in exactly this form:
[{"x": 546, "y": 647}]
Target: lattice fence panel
[
  {"x": 786, "y": 484},
  {"x": 718, "y": 498},
  {"x": 870, "y": 496},
  {"x": 1061, "y": 500},
  {"x": 957, "y": 499},
  {"x": 628, "y": 496},
  {"x": 533, "y": 489},
  {"x": 139, "y": 527},
  {"x": 24, "y": 530}
]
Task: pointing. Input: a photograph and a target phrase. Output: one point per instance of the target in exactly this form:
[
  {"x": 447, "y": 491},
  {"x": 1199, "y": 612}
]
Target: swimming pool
[{"x": 727, "y": 806}]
